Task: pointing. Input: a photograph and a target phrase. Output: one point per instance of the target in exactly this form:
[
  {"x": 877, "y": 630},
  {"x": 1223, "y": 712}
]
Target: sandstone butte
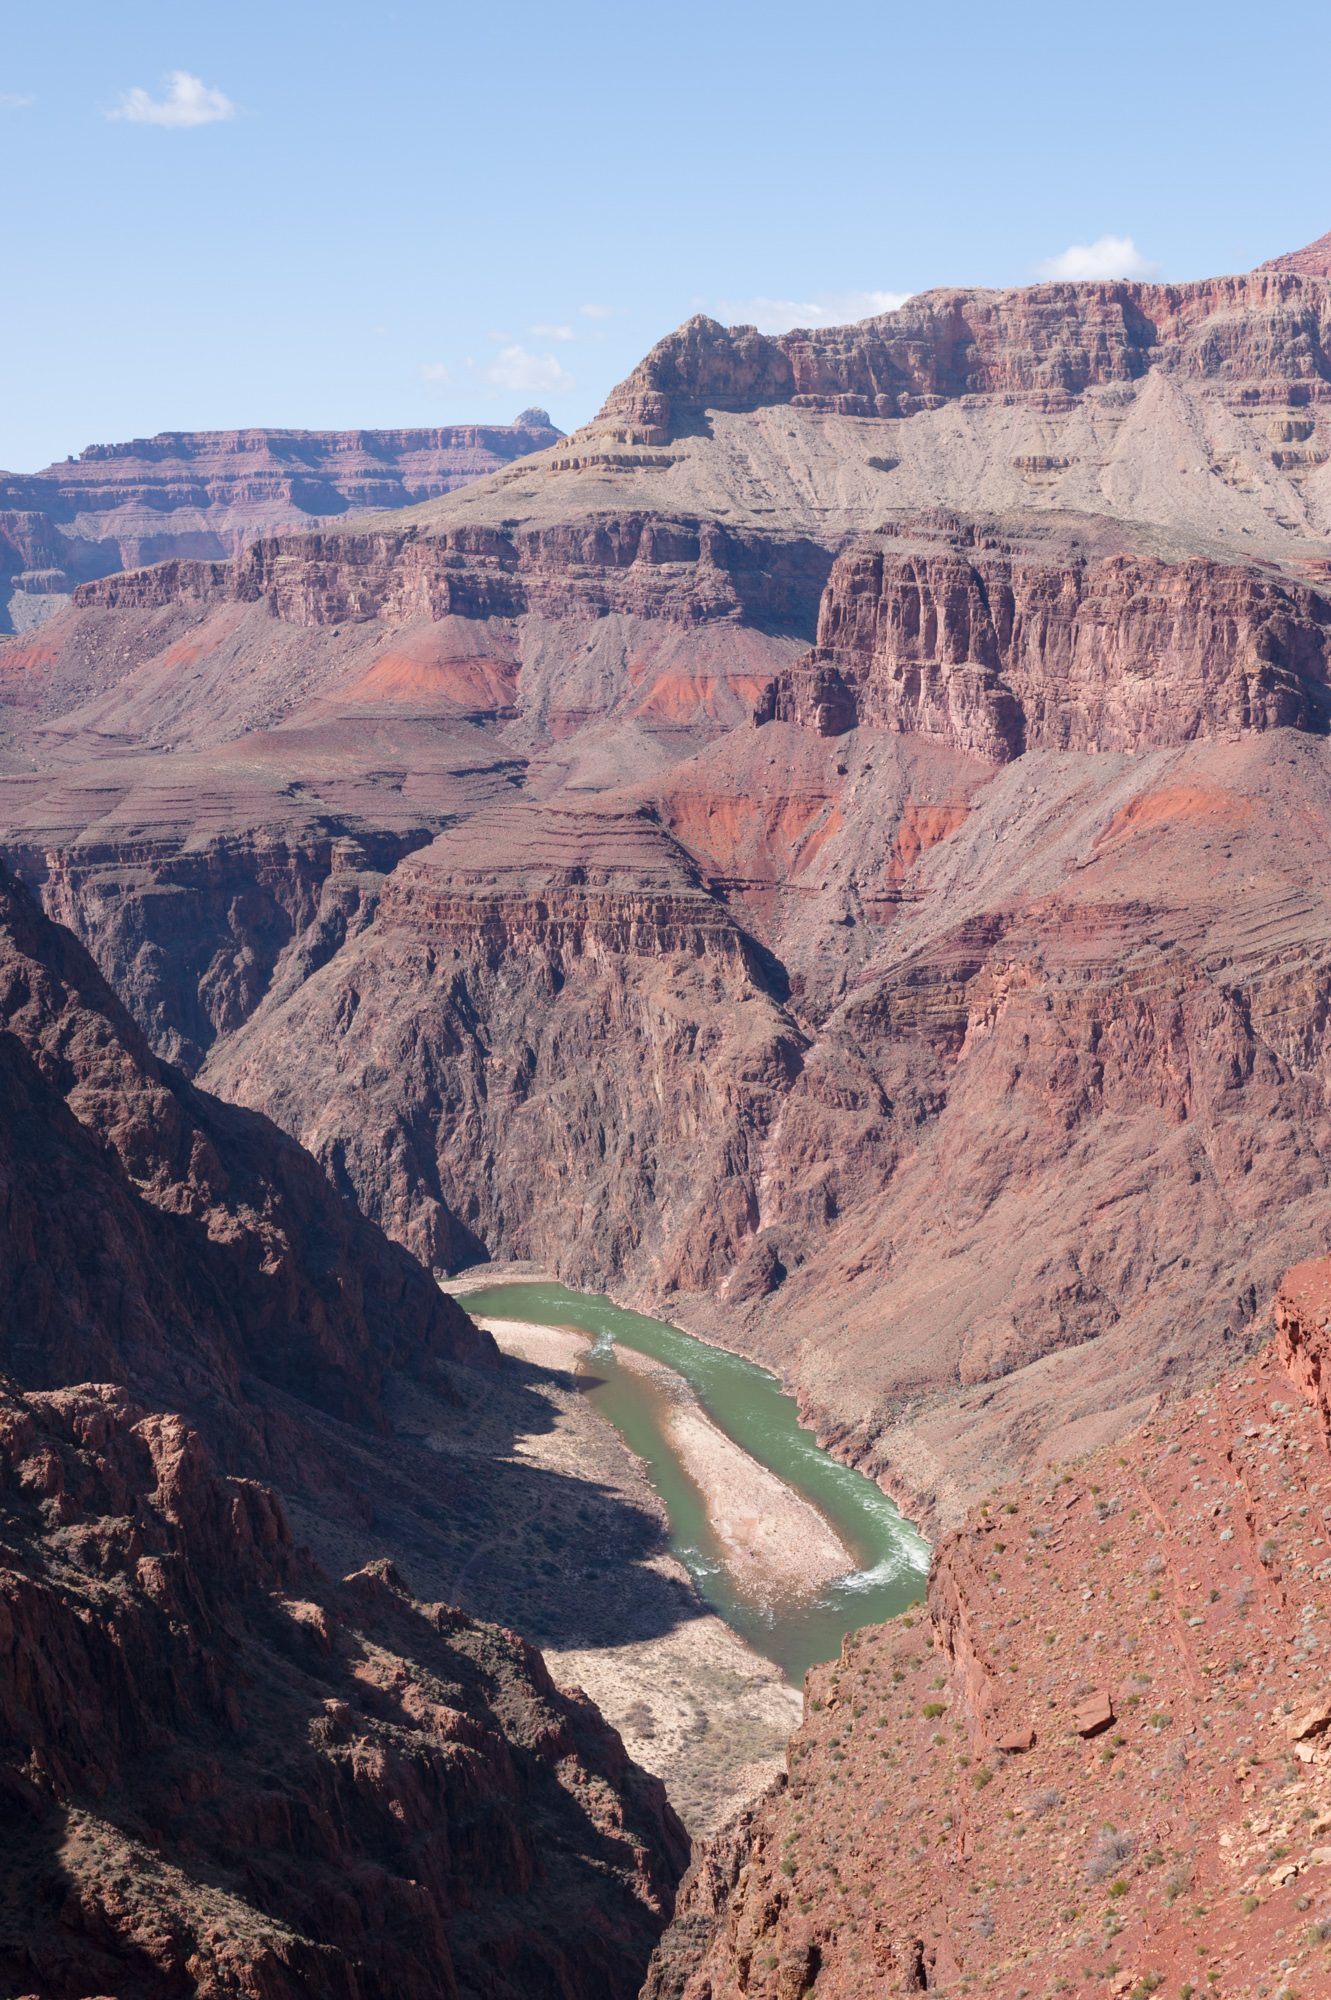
[{"x": 831, "y": 852}]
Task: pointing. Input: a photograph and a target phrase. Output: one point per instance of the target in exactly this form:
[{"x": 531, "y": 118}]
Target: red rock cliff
[
  {"x": 995, "y": 644},
  {"x": 683, "y": 571},
  {"x": 1044, "y": 345}
]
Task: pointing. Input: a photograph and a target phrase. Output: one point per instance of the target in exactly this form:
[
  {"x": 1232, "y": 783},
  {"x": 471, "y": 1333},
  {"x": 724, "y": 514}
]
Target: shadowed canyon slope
[
  {"x": 223, "y": 1770},
  {"x": 208, "y": 493},
  {"x": 831, "y": 848}
]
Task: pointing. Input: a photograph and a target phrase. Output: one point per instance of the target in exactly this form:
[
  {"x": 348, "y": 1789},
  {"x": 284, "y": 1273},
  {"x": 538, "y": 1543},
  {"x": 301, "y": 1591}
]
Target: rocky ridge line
[{"x": 1028, "y": 345}]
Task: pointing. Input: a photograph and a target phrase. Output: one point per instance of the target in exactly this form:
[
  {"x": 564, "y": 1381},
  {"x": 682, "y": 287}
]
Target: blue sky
[{"x": 336, "y": 215}]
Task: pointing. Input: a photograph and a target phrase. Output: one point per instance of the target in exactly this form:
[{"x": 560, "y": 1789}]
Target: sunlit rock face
[{"x": 830, "y": 848}]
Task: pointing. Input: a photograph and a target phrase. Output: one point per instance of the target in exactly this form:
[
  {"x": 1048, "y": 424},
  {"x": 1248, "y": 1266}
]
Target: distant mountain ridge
[{"x": 208, "y": 493}]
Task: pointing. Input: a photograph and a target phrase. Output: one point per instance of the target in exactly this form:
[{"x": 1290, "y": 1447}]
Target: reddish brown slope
[
  {"x": 223, "y": 1772},
  {"x": 1102, "y": 1762},
  {"x": 1313, "y": 261}
]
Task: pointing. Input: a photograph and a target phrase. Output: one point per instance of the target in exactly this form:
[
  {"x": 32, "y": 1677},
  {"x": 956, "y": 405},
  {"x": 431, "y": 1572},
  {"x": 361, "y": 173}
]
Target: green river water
[{"x": 750, "y": 1406}]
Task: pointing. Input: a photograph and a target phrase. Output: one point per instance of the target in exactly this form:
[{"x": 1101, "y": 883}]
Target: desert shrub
[
  {"x": 1108, "y": 1851},
  {"x": 1038, "y": 1803}
]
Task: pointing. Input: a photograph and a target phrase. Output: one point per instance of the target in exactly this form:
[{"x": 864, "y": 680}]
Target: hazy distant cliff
[{"x": 208, "y": 493}]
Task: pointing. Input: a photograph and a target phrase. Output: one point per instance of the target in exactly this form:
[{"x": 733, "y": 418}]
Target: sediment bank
[{"x": 695, "y": 1704}]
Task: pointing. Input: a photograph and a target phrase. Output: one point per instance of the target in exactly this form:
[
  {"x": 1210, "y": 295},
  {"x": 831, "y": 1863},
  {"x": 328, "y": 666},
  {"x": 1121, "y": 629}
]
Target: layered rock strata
[
  {"x": 209, "y": 493},
  {"x": 682, "y": 571},
  {"x": 496, "y": 968},
  {"x": 996, "y": 1011},
  {"x": 1044, "y": 345},
  {"x": 998, "y": 643}
]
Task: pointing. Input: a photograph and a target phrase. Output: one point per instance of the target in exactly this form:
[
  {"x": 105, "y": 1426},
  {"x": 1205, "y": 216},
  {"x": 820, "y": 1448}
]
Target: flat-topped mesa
[
  {"x": 1261, "y": 337},
  {"x": 996, "y": 642},
  {"x": 682, "y": 570},
  {"x": 401, "y": 458},
  {"x": 204, "y": 495}
]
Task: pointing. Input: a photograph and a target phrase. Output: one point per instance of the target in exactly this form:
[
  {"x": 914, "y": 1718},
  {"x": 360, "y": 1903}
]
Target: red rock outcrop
[
  {"x": 681, "y": 571},
  {"x": 209, "y": 493},
  {"x": 528, "y": 940},
  {"x": 1045, "y": 345},
  {"x": 1313, "y": 261},
  {"x": 997, "y": 643},
  {"x": 1100, "y": 1763},
  {"x": 1303, "y": 1332}
]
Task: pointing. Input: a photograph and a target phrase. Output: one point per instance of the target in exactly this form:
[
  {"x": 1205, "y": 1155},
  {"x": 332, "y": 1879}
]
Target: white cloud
[
  {"x": 188, "y": 101},
  {"x": 597, "y": 312},
  {"x": 515, "y": 368},
  {"x": 1107, "y": 257},
  {"x": 13, "y": 100},
  {"x": 827, "y": 309},
  {"x": 435, "y": 371},
  {"x": 552, "y": 333}
]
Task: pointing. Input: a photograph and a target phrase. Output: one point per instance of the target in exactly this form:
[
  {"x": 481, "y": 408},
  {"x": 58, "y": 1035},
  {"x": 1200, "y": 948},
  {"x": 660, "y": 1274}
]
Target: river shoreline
[
  {"x": 696, "y": 1704},
  {"x": 774, "y": 1541},
  {"x": 918, "y": 1502}
]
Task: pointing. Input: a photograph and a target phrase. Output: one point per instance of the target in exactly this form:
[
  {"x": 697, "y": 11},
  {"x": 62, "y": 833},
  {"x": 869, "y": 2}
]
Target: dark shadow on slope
[{"x": 564, "y": 1560}]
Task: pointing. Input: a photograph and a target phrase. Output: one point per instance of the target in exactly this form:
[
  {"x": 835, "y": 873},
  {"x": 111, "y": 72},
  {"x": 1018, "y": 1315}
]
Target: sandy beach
[
  {"x": 773, "y": 1539},
  {"x": 694, "y": 1703}
]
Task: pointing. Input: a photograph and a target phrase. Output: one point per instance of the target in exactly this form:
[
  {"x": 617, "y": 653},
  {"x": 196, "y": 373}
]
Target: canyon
[
  {"x": 238, "y": 1754},
  {"x": 860, "y": 764},
  {"x": 829, "y": 854}
]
